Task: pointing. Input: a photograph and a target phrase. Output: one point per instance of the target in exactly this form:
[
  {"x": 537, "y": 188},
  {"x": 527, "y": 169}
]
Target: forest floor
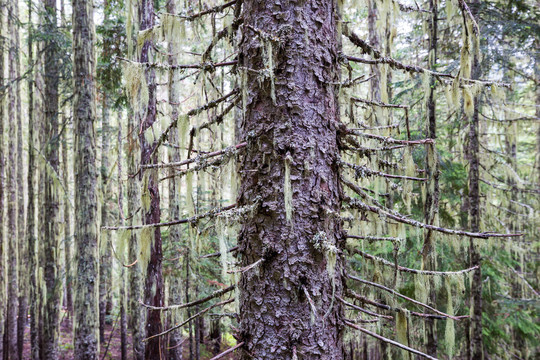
[{"x": 110, "y": 348}]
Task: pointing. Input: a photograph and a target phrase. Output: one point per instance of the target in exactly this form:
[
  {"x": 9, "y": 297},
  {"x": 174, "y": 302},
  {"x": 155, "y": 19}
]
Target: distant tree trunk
[
  {"x": 431, "y": 205},
  {"x": 153, "y": 291},
  {"x": 10, "y": 332},
  {"x": 105, "y": 263},
  {"x": 373, "y": 31},
  {"x": 66, "y": 170},
  {"x": 2, "y": 187},
  {"x": 473, "y": 153},
  {"x": 23, "y": 259},
  {"x": 86, "y": 304},
  {"x": 175, "y": 292},
  {"x": 293, "y": 147},
  {"x": 123, "y": 298},
  {"x": 31, "y": 211}
]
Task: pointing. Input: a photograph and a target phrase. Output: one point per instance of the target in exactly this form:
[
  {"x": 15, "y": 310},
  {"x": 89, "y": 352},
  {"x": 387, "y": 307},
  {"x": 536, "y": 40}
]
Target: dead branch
[
  {"x": 365, "y": 311},
  {"x": 216, "y": 254},
  {"x": 228, "y": 351},
  {"x": 386, "y": 340},
  {"x": 363, "y": 171},
  {"x": 215, "y": 294},
  {"x": 393, "y": 292}
]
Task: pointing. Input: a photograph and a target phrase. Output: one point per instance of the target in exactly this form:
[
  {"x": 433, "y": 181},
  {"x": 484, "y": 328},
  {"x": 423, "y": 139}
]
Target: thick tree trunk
[
  {"x": 2, "y": 186},
  {"x": 10, "y": 332},
  {"x": 431, "y": 205},
  {"x": 86, "y": 304},
  {"x": 289, "y": 171}
]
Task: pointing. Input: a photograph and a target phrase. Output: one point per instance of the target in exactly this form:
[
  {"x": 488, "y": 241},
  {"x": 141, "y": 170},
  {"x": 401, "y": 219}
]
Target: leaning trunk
[{"x": 289, "y": 174}]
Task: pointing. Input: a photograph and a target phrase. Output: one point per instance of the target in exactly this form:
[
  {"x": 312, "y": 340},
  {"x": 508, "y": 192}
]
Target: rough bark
[
  {"x": 105, "y": 263},
  {"x": 10, "y": 332},
  {"x": 66, "y": 167},
  {"x": 375, "y": 82},
  {"x": 297, "y": 134},
  {"x": 86, "y": 303},
  {"x": 431, "y": 205},
  {"x": 2, "y": 186}
]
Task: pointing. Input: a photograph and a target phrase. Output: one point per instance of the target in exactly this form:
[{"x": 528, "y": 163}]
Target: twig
[
  {"x": 375, "y": 238},
  {"x": 389, "y": 140},
  {"x": 215, "y": 9},
  {"x": 110, "y": 337},
  {"x": 386, "y": 340},
  {"x": 215, "y": 294},
  {"x": 227, "y": 351},
  {"x": 363, "y": 171},
  {"x": 356, "y": 307},
  {"x": 379, "y": 103},
  {"x": 216, "y": 254},
  {"x": 246, "y": 268}
]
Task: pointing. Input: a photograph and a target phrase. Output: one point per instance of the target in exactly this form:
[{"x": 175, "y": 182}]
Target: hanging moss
[
  {"x": 449, "y": 333},
  {"x": 287, "y": 190},
  {"x": 402, "y": 331},
  {"x": 122, "y": 240},
  {"x": 136, "y": 87},
  {"x": 145, "y": 194},
  {"x": 146, "y": 242}
]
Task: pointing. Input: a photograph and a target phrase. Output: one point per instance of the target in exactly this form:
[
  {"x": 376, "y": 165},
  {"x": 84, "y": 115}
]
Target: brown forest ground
[{"x": 113, "y": 351}]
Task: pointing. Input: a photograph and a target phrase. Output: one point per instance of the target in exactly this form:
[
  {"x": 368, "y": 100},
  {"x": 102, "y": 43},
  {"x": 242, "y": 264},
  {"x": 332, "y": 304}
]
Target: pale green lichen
[{"x": 287, "y": 190}]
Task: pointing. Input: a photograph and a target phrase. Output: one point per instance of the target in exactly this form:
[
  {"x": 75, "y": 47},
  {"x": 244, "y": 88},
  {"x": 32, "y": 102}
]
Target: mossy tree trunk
[
  {"x": 86, "y": 304},
  {"x": 289, "y": 169},
  {"x": 10, "y": 332},
  {"x": 2, "y": 186},
  {"x": 105, "y": 264}
]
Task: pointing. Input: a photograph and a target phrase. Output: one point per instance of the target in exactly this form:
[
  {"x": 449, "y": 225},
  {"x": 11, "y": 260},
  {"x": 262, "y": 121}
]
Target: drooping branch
[
  {"x": 402, "y": 219},
  {"x": 387, "y": 139},
  {"x": 378, "y": 103},
  {"x": 215, "y": 294},
  {"x": 200, "y": 313},
  {"x": 365, "y": 150},
  {"x": 207, "y": 66},
  {"x": 404, "y": 269},
  {"x": 386, "y": 340},
  {"x": 191, "y": 220},
  {"x": 376, "y": 238},
  {"x": 201, "y": 165},
  {"x": 393, "y": 292}
]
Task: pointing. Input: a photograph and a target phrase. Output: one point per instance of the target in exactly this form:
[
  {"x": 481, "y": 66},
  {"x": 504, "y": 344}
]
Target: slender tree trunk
[
  {"x": 10, "y": 332},
  {"x": 23, "y": 260},
  {"x": 86, "y": 304},
  {"x": 2, "y": 187},
  {"x": 153, "y": 291},
  {"x": 123, "y": 298},
  {"x": 431, "y": 205},
  {"x": 473, "y": 153},
  {"x": 105, "y": 264},
  {"x": 293, "y": 229},
  {"x": 375, "y": 72},
  {"x": 175, "y": 292},
  {"x": 66, "y": 167},
  {"x": 31, "y": 211}
]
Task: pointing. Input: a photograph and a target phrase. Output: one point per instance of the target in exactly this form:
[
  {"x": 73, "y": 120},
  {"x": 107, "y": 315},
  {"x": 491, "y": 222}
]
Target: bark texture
[
  {"x": 289, "y": 169},
  {"x": 86, "y": 314},
  {"x": 10, "y": 332}
]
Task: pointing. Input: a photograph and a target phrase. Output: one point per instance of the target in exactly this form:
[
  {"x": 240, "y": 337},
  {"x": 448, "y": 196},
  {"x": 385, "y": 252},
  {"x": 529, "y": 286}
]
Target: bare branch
[
  {"x": 228, "y": 351},
  {"x": 215, "y": 9},
  {"x": 356, "y": 307},
  {"x": 200, "y": 313},
  {"x": 194, "y": 219},
  {"x": 386, "y": 340},
  {"x": 216, "y": 254},
  {"x": 363, "y": 171},
  {"x": 392, "y": 291},
  {"x": 215, "y": 294}
]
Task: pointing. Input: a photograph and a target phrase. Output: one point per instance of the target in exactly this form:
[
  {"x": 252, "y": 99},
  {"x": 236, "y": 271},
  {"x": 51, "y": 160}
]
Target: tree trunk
[
  {"x": 10, "y": 332},
  {"x": 295, "y": 228},
  {"x": 2, "y": 187},
  {"x": 31, "y": 211},
  {"x": 86, "y": 304},
  {"x": 473, "y": 153},
  {"x": 153, "y": 291},
  {"x": 66, "y": 170},
  {"x": 105, "y": 263},
  {"x": 375, "y": 72},
  {"x": 431, "y": 205},
  {"x": 175, "y": 293}
]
